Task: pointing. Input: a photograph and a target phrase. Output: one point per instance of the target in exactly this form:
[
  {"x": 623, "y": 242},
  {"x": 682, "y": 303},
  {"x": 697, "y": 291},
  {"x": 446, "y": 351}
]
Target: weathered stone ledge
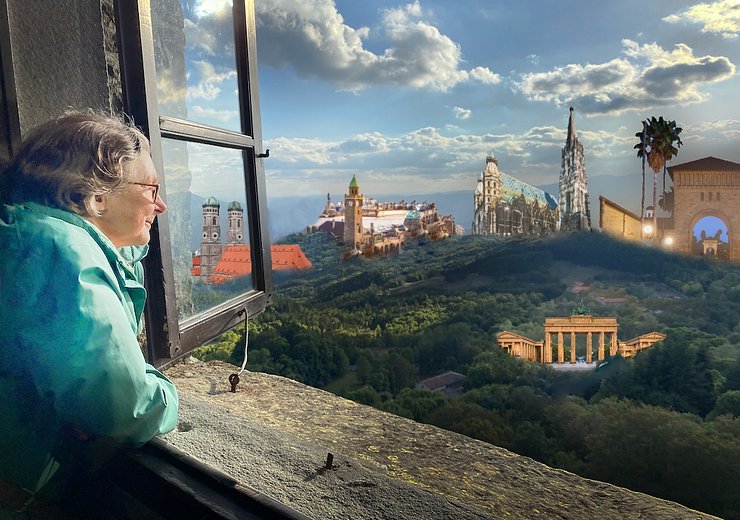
[{"x": 274, "y": 434}]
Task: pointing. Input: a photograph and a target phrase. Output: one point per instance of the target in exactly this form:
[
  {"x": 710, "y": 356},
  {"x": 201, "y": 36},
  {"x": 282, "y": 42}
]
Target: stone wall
[
  {"x": 617, "y": 221},
  {"x": 82, "y": 32}
]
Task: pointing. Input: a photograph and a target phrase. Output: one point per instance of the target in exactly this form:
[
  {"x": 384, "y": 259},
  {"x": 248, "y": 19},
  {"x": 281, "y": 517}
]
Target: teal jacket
[{"x": 71, "y": 369}]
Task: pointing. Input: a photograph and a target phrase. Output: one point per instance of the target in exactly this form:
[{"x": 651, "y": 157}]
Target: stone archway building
[{"x": 702, "y": 188}]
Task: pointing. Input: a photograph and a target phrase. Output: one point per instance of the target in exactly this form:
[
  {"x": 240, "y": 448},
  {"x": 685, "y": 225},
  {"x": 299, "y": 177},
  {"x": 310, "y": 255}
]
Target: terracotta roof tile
[{"x": 709, "y": 164}]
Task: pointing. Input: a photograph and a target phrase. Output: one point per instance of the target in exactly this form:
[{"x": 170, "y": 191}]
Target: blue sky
[{"x": 410, "y": 97}]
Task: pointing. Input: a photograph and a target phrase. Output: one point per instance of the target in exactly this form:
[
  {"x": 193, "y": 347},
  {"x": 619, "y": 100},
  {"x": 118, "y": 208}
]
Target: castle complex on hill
[
  {"x": 507, "y": 206},
  {"x": 389, "y": 224},
  {"x": 216, "y": 263}
]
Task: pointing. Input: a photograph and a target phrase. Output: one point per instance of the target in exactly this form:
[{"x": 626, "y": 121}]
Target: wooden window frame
[{"x": 168, "y": 338}]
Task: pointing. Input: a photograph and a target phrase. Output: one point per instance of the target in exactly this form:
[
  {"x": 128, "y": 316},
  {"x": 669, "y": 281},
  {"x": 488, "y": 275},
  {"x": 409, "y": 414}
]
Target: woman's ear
[{"x": 100, "y": 203}]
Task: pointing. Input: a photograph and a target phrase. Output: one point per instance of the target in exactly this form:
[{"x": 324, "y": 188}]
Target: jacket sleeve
[{"x": 88, "y": 361}]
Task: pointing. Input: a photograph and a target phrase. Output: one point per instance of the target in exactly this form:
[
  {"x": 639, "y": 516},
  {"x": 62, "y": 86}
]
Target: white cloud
[
  {"x": 209, "y": 86},
  {"x": 648, "y": 76},
  {"x": 211, "y": 114},
  {"x": 209, "y": 7},
  {"x": 728, "y": 129},
  {"x": 313, "y": 39},
  {"x": 533, "y": 59},
  {"x": 462, "y": 113},
  {"x": 484, "y": 75},
  {"x": 722, "y": 17},
  {"x": 426, "y": 148},
  {"x": 170, "y": 91},
  {"x": 302, "y": 151}
]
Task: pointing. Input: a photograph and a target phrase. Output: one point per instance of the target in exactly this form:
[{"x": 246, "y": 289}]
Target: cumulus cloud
[
  {"x": 462, "y": 113},
  {"x": 313, "y": 38},
  {"x": 209, "y": 86},
  {"x": 648, "y": 76},
  {"x": 722, "y": 17},
  {"x": 212, "y": 114},
  {"x": 728, "y": 129},
  {"x": 446, "y": 162},
  {"x": 208, "y": 29},
  {"x": 427, "y": 147},
  {"x": 485, "y": 75}
]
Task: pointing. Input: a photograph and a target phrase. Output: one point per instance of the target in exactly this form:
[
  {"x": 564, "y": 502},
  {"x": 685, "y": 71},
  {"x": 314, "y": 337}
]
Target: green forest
[{"x": 666, "y": 422}]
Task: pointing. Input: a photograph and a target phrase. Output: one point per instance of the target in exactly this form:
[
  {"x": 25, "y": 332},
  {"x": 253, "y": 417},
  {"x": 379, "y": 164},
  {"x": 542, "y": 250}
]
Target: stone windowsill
[{"x": 274, "y": 435}]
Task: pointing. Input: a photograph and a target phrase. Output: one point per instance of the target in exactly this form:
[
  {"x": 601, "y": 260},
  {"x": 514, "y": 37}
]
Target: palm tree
[
  {"x": 666, "y": 200},
  {"x": 641, "y": 148},
  {"x": 660, "y": 136}
]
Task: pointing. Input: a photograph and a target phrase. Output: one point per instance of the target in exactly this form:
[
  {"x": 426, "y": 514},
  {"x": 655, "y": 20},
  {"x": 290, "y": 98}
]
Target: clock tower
[{"x": 353, "y": 216}]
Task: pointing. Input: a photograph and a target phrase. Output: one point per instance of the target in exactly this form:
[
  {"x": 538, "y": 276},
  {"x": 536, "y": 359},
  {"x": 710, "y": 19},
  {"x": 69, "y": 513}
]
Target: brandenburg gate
[{"x": 580, "y": 322}]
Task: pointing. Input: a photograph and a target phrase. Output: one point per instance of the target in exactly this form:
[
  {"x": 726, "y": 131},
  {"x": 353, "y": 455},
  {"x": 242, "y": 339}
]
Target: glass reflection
[
  {"x": 195, "y": 60},
  {"x": 208, "y": 224}
]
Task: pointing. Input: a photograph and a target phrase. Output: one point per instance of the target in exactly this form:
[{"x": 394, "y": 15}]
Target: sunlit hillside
[{"x": 371, "y": 329}]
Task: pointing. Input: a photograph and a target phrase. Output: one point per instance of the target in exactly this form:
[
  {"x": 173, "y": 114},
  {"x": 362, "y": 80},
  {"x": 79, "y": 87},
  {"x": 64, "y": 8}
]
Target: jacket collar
[{"x": 124, "y": 257}]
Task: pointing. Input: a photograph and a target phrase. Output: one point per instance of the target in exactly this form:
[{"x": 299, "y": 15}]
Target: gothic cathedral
[
  {"x": 504, "y": 205},
  {"x": 575, "y": 213}
]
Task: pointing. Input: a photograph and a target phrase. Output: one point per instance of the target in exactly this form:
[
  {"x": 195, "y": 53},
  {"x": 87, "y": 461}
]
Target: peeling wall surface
[{"x": 274, "y": 434}]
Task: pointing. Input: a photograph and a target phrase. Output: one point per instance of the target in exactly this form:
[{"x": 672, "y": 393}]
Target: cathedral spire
[{"x": 571, "y": 127}]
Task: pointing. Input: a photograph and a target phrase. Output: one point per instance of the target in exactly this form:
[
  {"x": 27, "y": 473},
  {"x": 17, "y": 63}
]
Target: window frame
[
  {"x": 10, "y": 127},
  {"x": 168, "y": 338}
]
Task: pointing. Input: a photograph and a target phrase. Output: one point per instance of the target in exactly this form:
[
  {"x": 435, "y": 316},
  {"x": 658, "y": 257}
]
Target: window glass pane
[
  {"x": 196, "y": 61},
  {"x": 207, "y": 213}
]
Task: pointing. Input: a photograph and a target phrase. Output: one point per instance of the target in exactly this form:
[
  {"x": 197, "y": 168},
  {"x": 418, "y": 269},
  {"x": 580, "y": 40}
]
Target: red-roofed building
[{"x": 234, "y": 259}]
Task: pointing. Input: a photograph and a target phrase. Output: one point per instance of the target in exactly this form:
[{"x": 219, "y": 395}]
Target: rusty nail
[{"x": 234, "y": 380}]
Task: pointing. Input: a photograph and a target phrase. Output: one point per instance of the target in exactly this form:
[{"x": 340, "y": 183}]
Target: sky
[{"x": 412, "y": 96}]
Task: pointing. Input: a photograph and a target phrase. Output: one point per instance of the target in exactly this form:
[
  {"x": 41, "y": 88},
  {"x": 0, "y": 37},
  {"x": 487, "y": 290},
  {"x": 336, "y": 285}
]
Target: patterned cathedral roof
[{"x": 512, "y": 188}]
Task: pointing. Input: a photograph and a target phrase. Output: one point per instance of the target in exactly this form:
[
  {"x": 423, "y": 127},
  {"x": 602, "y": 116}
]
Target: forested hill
[{"x": 665, "y": 423}]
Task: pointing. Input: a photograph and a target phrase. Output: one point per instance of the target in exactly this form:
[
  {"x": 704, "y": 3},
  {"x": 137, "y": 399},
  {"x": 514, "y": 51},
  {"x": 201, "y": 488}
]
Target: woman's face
[{"x": 127, "y": 216}]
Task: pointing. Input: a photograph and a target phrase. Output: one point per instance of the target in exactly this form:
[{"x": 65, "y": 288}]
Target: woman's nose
[{"x": 160, "y": 206}]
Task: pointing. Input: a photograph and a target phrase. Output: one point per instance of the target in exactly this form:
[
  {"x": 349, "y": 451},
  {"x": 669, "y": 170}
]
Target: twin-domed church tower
[
  {"x": 575, "y": 212},
  {"x": 210, "y": 244}
]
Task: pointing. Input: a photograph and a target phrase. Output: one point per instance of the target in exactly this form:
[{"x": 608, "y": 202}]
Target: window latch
[{"x": 264, "y": 155}]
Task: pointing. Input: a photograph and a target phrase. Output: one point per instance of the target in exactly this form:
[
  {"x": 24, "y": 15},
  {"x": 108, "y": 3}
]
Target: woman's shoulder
[{"x": 34, "y": 231}]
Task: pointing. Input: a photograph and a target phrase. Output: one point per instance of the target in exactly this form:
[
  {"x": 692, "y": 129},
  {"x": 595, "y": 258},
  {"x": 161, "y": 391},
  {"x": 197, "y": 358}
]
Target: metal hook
[
  {"x": 234, "y": 380},
  {"x": 264, "y": 155}
]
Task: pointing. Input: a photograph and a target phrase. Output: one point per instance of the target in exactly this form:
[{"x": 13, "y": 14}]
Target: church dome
[
  {"x": 211, "y": 201},
  {"x": 235, "y": 206},
  {"x": 353, "y": 183}
]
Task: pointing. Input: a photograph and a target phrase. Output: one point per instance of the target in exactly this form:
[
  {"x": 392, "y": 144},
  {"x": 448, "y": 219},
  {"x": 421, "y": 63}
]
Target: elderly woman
[{"x": 78, "y": 203}]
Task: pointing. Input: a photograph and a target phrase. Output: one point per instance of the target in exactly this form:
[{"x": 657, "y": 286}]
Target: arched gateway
[
  {"x": 554, "y": 346},
  {"x": 706, "y": 187}
]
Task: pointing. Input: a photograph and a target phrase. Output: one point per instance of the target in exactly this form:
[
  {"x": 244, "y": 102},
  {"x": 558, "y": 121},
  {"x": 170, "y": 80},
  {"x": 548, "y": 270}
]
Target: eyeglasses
[{"x": 155, "y": 188}]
